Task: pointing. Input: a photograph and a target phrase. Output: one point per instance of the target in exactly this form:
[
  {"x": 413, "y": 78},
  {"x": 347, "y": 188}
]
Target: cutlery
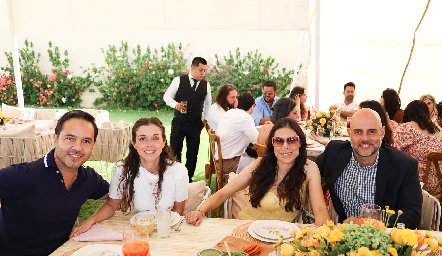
[{"x": 178, "y": 229}]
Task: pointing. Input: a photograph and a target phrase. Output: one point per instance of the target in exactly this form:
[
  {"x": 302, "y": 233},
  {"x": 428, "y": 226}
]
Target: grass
[{"x": 131, "y": 116}]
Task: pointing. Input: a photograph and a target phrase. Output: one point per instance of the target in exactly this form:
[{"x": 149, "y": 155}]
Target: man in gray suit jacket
[{"x": 366, "y": 171}]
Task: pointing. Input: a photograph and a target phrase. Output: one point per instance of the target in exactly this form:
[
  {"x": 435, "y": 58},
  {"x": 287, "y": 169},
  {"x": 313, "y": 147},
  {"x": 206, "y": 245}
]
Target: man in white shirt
[
  {"x": 225, "y": 100},
  {"x": 236, "y": 130},
  {"x": 348, "y": 107},
  {"x": 189, "y": 95}
]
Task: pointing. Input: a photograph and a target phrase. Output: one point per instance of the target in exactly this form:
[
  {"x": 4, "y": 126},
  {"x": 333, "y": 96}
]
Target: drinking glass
[
  {"x": 145, "y": 224},
  {"x": 320, "y": 131},
  {"x": 163, "y": 223},
  {"x": 134, "y": 243},
  {"x": 185, "y": 107},
  {"x": 371, "y": 211},
  {"x": 348, "y": 122}
]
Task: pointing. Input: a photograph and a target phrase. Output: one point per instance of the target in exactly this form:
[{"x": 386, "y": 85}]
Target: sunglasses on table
[{"x": 291, "y": 141}]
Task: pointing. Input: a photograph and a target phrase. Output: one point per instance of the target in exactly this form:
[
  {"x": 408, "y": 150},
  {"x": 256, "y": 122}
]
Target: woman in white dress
[{"x": 149, "y": 178}]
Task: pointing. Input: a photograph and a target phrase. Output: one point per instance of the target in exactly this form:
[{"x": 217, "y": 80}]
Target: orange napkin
[{"x": 97, "y": 233}]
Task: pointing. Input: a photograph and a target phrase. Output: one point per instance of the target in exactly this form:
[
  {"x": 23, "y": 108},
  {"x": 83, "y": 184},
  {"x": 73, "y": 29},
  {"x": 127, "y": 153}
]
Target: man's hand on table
[
  {"x": 83, "y": 227},
  {"x": 194, "y": 217}
]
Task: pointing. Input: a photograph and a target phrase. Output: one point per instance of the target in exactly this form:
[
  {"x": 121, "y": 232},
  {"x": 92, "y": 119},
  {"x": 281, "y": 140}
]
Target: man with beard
[
  {"x": 366, "y": 171},
  {"x": 262, "y": 111},
  {"x": 225, "y": 100},
  {"x": 41, "y": 199},
  {"x": 348, "y": 107}
]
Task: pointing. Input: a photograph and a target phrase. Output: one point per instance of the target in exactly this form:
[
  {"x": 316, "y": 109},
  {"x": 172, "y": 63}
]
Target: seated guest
[
  {"x": 439, "y": 114},
  {"x": 299, "y": 95},
  {"x": 348, "y": 106},
  {"x": 431, "y": 104},
  {"x": 280, "y": 184},
  {"x": 391, "y": 101},
  {"x": 236, "y": 131},
  {"x": 40, "y": 200},
  {"x": 284, "y": 107},
  {"x": 364, "y": 170},
  {"x": 149, "y": 177},
  {"x": 262, "y": 112},
  {"x": 418, "y": 136},
  {"x": 225, "y": 100}
]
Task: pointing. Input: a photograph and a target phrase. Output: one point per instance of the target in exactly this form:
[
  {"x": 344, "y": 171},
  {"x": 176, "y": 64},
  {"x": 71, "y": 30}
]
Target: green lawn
[{"x": 106, "y": 169}]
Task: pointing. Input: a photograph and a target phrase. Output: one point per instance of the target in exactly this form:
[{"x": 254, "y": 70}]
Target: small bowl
[{"x": 210, "y": 252}]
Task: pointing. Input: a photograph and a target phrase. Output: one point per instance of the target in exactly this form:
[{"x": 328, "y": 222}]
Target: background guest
[
  {"x": 431, "y": 104},
  {"x": 236, "y": 131},
  {"x": 392, "y": 104},
  {"x": 262, "y": 111},
  {"x": 439, "y": 114},
  {"x": 225, "y": 100},
  {"x": 280, "y": 183},
  {"x": 299, "y": 95},
  {"x": 417, "y": 136},
  {"x": 348, "y": 106},
  {"x": 149, "y": 178}
]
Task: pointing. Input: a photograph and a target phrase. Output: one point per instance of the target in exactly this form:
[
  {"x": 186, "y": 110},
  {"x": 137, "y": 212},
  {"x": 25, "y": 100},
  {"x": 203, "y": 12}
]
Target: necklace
[{"x": 152, "y": 184}]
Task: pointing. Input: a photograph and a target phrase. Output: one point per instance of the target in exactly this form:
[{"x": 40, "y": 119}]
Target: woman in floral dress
[{"x": 418, "y": 136}]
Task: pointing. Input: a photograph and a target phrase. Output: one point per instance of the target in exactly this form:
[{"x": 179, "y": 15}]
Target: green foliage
[
  {"x": 248, "y": 73},
  {"x": 139, "y": 80}
]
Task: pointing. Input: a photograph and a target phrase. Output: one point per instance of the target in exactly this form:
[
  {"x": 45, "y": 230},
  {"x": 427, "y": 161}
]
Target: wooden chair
[
  {"x": 434, "y": 158},
  {"x": 260, "y": 149},
  {"x": 214, "y": 142}
]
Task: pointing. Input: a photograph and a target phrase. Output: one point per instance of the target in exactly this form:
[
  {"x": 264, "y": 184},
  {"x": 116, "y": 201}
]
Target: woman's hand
[
  {"x": 317, "y": 138},
  {"x": 194, "y": 217},
  {"x": 83, "y": 227}
]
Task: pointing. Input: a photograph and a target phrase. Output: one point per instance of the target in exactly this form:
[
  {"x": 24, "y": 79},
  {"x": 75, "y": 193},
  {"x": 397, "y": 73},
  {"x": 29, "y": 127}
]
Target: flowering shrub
[
  {"x": 139, "y": 80},
  {"x": 324, "y": 120},
  {"x": 353, "y": 239},
  {"x": 248, "y": 73},
  {"x": 8, "y": 92}
]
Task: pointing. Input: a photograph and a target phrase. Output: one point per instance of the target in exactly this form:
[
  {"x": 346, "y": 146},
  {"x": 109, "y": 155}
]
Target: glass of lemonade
[
  {"x": 163, "y": 222},
  {"x": 145, "y": 224}
]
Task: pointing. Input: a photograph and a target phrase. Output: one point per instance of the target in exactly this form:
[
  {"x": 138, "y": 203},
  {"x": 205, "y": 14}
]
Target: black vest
[{"x": 195, "y": 99}]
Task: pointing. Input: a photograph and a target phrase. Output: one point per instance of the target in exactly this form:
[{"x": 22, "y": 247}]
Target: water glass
[
  {"x": 348, "y": 122},
  {"x": 163, "y": 223},
  {"x": 320, "y": 131},
  {"x": 371, "y": 211},
  {"x": 185, "y": 107}
]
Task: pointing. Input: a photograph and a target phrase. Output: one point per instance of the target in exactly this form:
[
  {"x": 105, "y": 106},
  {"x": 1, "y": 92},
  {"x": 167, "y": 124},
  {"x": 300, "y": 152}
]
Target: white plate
[
  {"x": 174, "y": 217},
  {"x": 99, "y": 249},
  {"x": 271, "y": 229},
  {"x": 251, "y": 230}
]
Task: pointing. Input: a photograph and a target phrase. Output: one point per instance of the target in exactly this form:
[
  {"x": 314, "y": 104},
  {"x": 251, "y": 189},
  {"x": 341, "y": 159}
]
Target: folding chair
[
  {"x": 260, "y": 149},
  {"x": 434, "y": 158}
]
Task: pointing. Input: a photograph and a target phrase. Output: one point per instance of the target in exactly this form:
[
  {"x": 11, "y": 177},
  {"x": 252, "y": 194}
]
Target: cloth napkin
[{"x": 97, "y": 233}]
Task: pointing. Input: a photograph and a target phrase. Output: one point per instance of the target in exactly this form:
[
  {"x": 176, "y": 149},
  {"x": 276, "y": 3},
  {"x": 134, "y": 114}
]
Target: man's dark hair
[
  {"x": 197, "y": 60},
  {"x": 349, "y": 84},
  {"x": 270, "y": 84},
  {"x": 245, "y": 101},
  {"x": 221, "y": 97},
  {"x": 79, "y": 114},
  {"x": 392, "y": 101}
]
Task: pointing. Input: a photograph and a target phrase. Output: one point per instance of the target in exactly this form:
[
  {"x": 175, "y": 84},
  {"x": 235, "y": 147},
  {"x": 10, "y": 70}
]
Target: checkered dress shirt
[{"x": 356, "y": 186}]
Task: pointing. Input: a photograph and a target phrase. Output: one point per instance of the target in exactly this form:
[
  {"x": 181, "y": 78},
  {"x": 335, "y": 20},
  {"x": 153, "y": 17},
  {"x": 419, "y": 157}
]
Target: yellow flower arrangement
[
  {"x": 3, "y": 118},
  {"x": 326, "y": 120},
  {"x": 367, "y": 239}
]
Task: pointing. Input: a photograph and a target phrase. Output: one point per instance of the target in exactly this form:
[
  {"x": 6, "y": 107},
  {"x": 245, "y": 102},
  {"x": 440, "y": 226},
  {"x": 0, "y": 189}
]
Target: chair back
[
  {"x": 434, "y": 158},
  {"x": 431, "y": 212},
  {"x": 198, "y": 193},
  {"x": 260, "y": 149},
  {"x": 236, "y": 202},
  {"x": 214, "y": 143}
]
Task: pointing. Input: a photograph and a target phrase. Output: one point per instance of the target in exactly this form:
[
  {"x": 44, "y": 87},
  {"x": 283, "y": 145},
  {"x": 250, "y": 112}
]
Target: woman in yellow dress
[{"x": 279, "y": 183}]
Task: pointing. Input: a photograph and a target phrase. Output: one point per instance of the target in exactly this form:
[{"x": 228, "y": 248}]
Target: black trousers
[{"x": 191, "y": 130}]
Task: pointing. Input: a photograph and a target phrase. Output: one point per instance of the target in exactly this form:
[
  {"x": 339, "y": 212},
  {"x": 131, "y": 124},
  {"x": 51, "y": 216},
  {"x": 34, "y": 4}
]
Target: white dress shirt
[
  {"x": 236, "y": 130},
  {"x": 215, "y": 114},
  {"x": 173, "y": 88},
  {"x": 343, "y": 107}
]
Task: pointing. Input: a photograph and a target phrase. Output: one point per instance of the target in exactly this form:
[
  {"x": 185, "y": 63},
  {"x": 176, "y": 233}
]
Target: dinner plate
[
  {"x": 100, "y": 249},
  {"x": 271, "y": 229},
  {"x": 174, "y": 217},
  {"x": 253, "y": 234}
]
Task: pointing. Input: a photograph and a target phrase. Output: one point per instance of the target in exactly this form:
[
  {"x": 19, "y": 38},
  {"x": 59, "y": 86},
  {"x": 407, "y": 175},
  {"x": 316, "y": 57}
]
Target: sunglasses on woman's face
[{"x": 291, "y": 141}]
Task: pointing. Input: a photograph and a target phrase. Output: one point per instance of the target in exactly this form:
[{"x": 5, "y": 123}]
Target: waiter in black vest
[{"x": 187, "y": 122}]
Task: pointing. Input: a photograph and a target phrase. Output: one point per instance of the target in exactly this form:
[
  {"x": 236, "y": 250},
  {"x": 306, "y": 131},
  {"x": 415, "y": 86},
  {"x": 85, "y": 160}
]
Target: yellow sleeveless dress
[{"x": 270, "y": 208}]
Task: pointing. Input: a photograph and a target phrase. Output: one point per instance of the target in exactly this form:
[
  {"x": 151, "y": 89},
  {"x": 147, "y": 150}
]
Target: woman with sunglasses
[{"x": 280, "y": 184}]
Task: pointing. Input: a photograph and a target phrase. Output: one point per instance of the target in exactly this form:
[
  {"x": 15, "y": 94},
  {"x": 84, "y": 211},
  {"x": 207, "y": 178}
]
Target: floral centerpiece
[
  {"x": 366, "y": 238},
  {"x": 328, "y": 121},
  {"x": 3, "y": 119}
]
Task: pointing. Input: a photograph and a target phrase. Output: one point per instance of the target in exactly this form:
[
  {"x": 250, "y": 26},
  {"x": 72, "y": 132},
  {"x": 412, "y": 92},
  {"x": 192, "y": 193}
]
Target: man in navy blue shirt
[{"x": 40, "y": 200}]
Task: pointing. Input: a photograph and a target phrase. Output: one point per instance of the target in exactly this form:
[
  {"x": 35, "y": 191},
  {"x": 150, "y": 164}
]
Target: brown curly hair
[
  {"x": 264, "y": 176},
  {"x": 131, "y": 164},
  {"x": 221, "y": 97},
  {"x": 418, "y": 112}
]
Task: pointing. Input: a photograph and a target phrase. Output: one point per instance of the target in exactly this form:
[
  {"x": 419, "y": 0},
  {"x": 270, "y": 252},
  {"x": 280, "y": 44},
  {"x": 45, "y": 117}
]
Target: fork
[{"x": 178, "y": 229}]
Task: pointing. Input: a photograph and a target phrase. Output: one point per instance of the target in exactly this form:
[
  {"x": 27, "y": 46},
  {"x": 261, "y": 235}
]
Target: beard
[{"x": 366, "y": 152}]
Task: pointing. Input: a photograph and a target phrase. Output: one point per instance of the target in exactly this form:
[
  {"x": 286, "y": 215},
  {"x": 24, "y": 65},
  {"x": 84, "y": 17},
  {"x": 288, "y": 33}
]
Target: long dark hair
[
  {"x": 282, "y": 108},
  {"x": 295, "y": 91},
  {"x": 418, "y": 112},
  {"x": 376, "y": 106},
  {"x": 264, "y": 176},
  {"x": 221, "y": 97},
  {"x": 131, "y": 164},
  {"x": 392, "y": 101}
]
